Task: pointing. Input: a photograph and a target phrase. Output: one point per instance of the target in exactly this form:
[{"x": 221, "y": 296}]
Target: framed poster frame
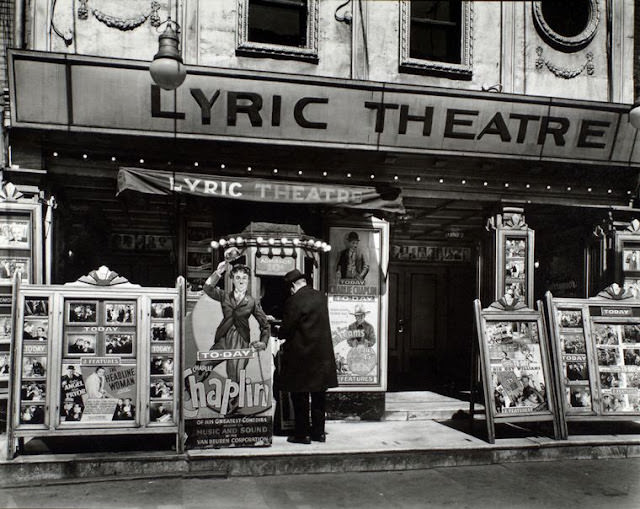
[
  {"x": 21, "y": 207},
  {"x": 361, "y": 361},
  {"x": 518, "y": 387},
  {"x": 514, "y": 263},
  {"x": 610, "y": 326}
]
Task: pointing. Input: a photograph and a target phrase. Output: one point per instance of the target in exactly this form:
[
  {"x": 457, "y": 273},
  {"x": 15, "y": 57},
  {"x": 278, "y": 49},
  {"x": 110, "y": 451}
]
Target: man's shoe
[
  {"x": 299, "y": 440},
  {"x": 322, "y": 437}
]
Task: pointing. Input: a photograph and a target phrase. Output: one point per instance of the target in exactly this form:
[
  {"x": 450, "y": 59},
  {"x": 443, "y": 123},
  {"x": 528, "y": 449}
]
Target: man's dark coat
[{"x": 308, "y": 360}]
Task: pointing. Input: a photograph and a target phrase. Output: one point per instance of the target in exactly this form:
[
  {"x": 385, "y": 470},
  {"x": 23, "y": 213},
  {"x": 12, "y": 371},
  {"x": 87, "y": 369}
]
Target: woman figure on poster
[
  {"x": 352, "y": 261},
  {"x": 237, "y": 307}
]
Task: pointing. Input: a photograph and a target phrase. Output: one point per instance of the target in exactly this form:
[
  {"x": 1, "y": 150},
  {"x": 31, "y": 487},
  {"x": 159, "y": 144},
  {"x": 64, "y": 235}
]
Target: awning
[{"x": 262, "y": 190}]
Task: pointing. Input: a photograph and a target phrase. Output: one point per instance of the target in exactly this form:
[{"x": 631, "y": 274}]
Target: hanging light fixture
[{"x": 167, "y": 69}]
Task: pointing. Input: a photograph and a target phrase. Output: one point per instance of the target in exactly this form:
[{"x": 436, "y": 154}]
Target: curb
[{"x": 30, "y": 471}]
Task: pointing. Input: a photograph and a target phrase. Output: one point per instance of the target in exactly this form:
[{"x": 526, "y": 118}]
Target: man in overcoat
[{"x": 308, "y": 360}]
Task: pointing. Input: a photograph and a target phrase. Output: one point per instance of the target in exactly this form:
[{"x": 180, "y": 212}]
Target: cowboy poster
[
  {"x": 354, "y": 305},
  {"x": 227, "y": 400},
  {"x": 354, "y": 331}
]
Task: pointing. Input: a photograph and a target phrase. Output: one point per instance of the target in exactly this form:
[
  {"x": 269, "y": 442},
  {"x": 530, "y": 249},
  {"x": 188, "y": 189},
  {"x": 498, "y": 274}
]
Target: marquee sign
[{"x": 80, "y": 93}]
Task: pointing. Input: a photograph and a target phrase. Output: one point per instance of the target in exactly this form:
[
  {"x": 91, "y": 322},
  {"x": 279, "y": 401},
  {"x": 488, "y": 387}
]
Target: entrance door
[{"x": 417, "y": 318}]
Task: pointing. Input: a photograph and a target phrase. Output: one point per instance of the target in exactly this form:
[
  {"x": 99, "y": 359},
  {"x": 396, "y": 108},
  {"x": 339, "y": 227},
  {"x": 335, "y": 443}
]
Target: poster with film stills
[
  {"x": 573, "y": 360},
  {"x": 618, "y": 364},
  {"x": 518, "y": 383}
]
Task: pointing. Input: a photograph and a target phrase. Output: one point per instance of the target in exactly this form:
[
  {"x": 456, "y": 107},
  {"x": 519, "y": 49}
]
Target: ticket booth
[{"x": 229, "y": 392}]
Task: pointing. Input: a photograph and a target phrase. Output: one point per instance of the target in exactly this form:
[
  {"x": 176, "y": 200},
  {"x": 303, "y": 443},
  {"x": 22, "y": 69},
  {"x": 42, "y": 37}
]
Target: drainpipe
[{"x": 18, "y": 24}]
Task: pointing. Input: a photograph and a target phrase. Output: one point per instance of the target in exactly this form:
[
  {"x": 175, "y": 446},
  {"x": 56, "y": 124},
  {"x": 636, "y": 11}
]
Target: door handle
[{"x": 400, "y": 325}]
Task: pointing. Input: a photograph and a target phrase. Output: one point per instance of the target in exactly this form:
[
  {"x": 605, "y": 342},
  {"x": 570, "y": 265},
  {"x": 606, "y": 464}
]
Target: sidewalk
[{"x": 350, "y": 446}]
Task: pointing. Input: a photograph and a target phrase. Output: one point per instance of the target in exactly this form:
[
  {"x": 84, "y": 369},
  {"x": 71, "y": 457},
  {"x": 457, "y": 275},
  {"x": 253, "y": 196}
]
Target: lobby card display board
[
  {"x": 96, "y": 359},
  {"x": 515, "y": 365},
  {"x": 21, "y": 254},
  {"x": 596, "y": 347}
]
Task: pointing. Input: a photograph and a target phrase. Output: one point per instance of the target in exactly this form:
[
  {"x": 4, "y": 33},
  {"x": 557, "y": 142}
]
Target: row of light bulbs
[
  {"x": 372, "y": 176},
  {"x": 239, "y": 241}
]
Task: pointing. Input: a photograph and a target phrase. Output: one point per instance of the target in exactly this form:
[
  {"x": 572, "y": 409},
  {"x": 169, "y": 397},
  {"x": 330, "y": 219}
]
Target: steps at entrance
[{"x": 422, "y": 406}]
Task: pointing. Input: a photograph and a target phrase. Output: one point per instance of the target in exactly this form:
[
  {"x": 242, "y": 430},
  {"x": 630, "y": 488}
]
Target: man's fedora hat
[{"x": 292, "y": 276}]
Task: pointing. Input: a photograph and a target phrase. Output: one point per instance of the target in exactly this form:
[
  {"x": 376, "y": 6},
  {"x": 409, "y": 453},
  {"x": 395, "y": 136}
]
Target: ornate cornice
[
  {"x": 103, "y": 277},
  {"x": 508, "y": 303},
  {"x": 616, "y": 292},
  {"x": 512, "y": 219},
  {"x": 9, "y": 193}
]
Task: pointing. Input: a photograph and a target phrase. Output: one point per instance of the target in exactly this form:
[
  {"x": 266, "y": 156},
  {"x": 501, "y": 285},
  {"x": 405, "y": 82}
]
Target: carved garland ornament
[
  {"x": 123, "y": 24},
  {"x": 563, "y": 72}
]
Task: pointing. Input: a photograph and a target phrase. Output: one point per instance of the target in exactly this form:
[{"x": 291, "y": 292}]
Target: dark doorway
[{"x": 430, "y": 327}]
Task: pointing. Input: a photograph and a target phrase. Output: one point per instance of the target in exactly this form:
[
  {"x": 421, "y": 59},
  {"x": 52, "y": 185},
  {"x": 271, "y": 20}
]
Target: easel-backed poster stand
[
  {"x": 99, "y": 356},
  {"x": 515, "y": 365},
  {"x": 596, "y": 347}
]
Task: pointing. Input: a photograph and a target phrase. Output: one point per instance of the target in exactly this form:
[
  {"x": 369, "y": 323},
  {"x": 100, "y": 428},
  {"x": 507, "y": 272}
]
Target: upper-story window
[
  {"x": 278, "y": 29},
  {"x": 435, "y": 37},
  {"x": 569, "y": 25}
]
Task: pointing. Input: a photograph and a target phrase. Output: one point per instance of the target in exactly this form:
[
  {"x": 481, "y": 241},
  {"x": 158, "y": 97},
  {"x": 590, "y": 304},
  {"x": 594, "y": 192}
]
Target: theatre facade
[{"x": 457, "y": 177}]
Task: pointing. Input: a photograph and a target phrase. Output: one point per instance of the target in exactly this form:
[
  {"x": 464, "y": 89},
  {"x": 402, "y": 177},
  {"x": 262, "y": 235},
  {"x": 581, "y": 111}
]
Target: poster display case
[
  {"x": 358, "y": 304},
  {"x": 198, "y": 254},
  {"x": 22, "y": 251},
  {"x": 596, "y": 347},
  {"x": 515, "y": 365},
  {"x": 509, "y": 254},
  {"x": 96, "y": 356},
  {"x": 627, "y": 256}
]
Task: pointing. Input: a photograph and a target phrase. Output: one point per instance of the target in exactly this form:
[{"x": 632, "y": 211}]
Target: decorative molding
[
  {"x": 309, "y": 53},
  {"x": 633, "y": 227},
  {"x": 123, "y": 24},
  {"x": 508, "y": 303},
  {"x": 347, "y": 17},
  {"x": 564, "y": 72},
  {"x": 103, "y": 276},
  {"x": 567, "y": 44},
  {"x": 510, "y": 218},
  {"x": 9, "y": 193},
  {"x": 616, "y": 292},
  {"x": 463, "y": 70}
]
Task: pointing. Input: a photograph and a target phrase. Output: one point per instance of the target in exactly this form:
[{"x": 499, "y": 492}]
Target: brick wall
[
  {"x": 6, "y": 38},
  {"x": 636, "y": 50}
]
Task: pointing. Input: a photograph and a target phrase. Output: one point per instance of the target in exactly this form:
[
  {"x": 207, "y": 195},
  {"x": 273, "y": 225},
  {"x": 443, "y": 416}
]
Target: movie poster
[
  {"x": 228, "y": 400},
  {"x": 98, "y": 390},
  {"x": 515, "y": 363},
  {"x": 354, "y": 304}
]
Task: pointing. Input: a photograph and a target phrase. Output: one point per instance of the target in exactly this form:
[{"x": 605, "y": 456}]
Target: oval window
[{"x": 568, "y": 25}]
